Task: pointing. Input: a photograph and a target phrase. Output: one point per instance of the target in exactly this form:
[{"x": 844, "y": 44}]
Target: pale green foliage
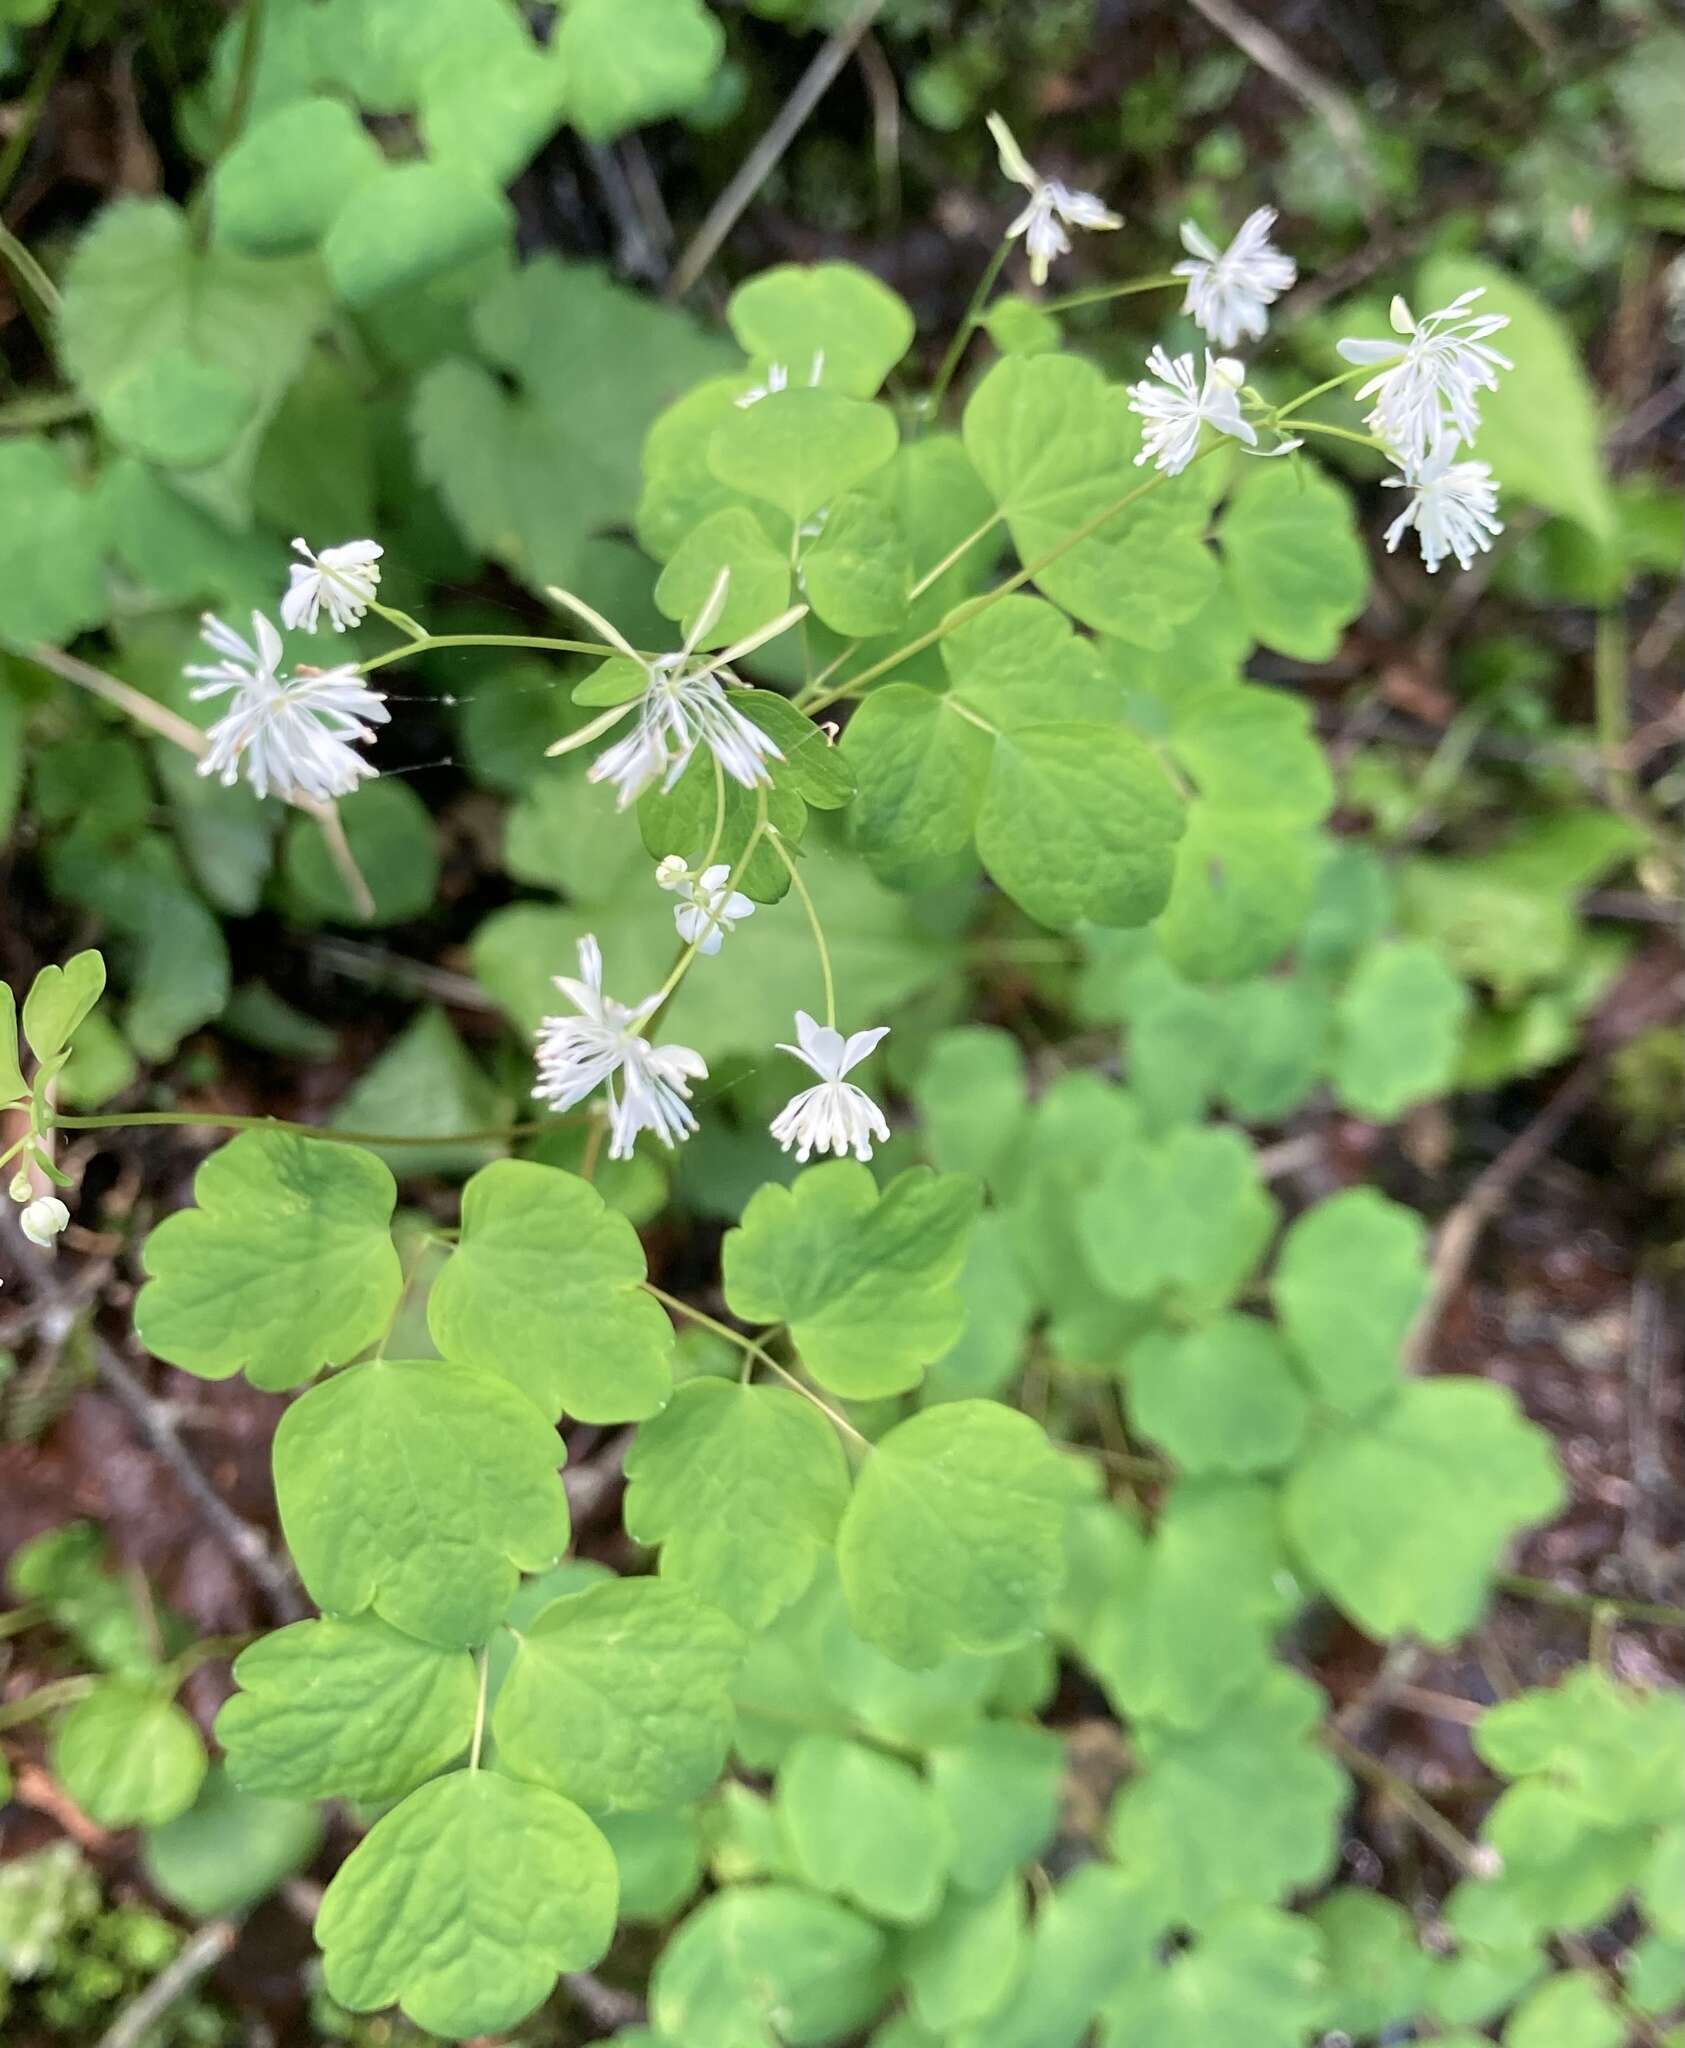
[
  {"x": 230, "y": 1849},
  {"x": 127, "y": 1753},
  {"x": 863, "y": 1826}
]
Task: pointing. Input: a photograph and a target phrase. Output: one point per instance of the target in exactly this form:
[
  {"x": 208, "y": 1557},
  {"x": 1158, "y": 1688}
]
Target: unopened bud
[{"x": 43, "y": 1219}]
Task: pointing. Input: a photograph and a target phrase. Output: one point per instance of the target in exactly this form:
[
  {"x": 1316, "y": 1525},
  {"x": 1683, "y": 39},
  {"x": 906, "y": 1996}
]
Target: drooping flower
[
  {"x": 1231, "y": 290},
  {"x": 344, "y": 579},
  {"x": 710, "y": 908},
  {"x": 292, "y": 734},
  {"x": 1177, "y": 406},
  {"x": 1429, "y": 378},
  {"x": 778, "y": 379},
  {"x": 1453, "y": 506},
  {"x": 680, "y": 706},
  {"x": 1053, "y": 206},
  {"x": 43, "y": 1219},
  {"x": 648, "y": 1086},
  {"x": 835, "y": 1116}
]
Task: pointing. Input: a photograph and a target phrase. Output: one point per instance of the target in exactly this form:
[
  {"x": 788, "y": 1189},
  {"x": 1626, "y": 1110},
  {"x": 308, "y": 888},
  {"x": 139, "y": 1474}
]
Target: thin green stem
[
  {"x": 39, "y": 296},
  {"x": 1339, "y": 434},
  {"x": 1610, "y": 703},
  {"x": 42, "y": 409},
  {"x": 17, "y": 146},
  {"x": 718, "y": 832},
  {"x": 1098, "y": 294},
  {"x": 815, "y": 926},
  {"x": 402, "y": 620},
  {"x": 801, "y": 1387},
  {"x": 969, "y": 322},
  {"x": 63, "y": 1692},
  {"x": 752, "y": 1347},
  {"x": 429, "y": 641},
  {"x": 480, "y": 1710},
  {"x": 209, "y": 1121},
  {"x": 953, "y": 555},
  {"x": 1316, "y": 391},
  {"x": 1549, "y": 1595}
]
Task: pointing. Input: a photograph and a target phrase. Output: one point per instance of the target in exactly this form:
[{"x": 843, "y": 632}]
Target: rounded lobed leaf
[
  {"x": 865, "y": 1826},
  {"x": 856, "y": 326},
  {"x": 126, "y": 1753}
]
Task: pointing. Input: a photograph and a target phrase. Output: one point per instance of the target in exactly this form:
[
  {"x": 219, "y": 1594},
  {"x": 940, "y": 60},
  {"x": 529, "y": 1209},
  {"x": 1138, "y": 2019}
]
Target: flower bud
[{"x": 43, "y": 1219}]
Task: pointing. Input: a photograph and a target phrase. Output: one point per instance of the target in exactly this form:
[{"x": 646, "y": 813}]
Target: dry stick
[
  {"x": 203, "y": 1952},
  {"x": 144, "y": 710},
  {"x": 786, "y": 124},
  {"x": 1468, "y": 1856},
  {"x": 158, "y": 1426},
  {"x": 1461, "y": 1230}
]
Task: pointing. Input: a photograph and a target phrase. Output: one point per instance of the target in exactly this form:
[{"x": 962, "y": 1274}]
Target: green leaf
[
  {"x": 1294, "y": 557},
  {"x": 1398, "y": 1029},
  {"x": 285, "y": 1266},
  {"x": 1095, "y": 1930},
  {"x": 58, "y": 1000},
  {"x": 230, "y": 1849},
  {"x": 978, "y": 1495},
  {"x": 921, "y": 771},
  {"x": 1056, "y": 446},
  {"x": 1182, "y": 1220},
  {"x": 1218, "y": 1399},
  {"x": 65, "y": 1572},
  {"x": 394, "y": 843},
  {"x": 1256, "y": 1772},
  {"x": 631, "y": 61},
  {"x": 345, "y": 1710},
  {"x": 1254, "y": 1980},
  {"x": 1253, "y": 750},
  {"x": 801, "y": 448},
  {"x": 1378, "y": 1971},
  {"x": 796, "y": 313},
  {"x": 971, "y": 1097},
  {"x": 1619, "y": 1750},
  {"x": 999, "y": 1787},
  {"x": 743, "y": 1488},
  {"x": 760, "y": 1965},
  {"x": 858, "y": 573},
  {"x": 546, "y": 1287},
  {"x": 185, "y": 352},
  {"x": 126, "y": 1753},
  {"x": 425, "y": 1085},
  {"x": 487, "y": 110},
  {"x": 1349, "y": 1281},
  {"x": 465, "y": 1903},
  {"x": 962, "y": 1965},
  {"x": 421, "y": 1490},
  {"x": 1240, "y": 895},
  {"x": 1572, "y": 2010},
  {"x": 620, "y": 1696},
  {"x": 279, "y": 187},
  {"x": 1402, "y": 1518},
  {"x": 1646, "y": 82},
  {"x": 732, "y": 538},
  {"x": 659, "y": 1856},
  {"x": 864, "y": 1826},
  {"x": 1079, "y": 821},
  {"x": 52, "y": 546},
  {"x": 1540, "y": 429},
  {"x": 409, "y": 223},
  {"x": 866, "y": 1281}
]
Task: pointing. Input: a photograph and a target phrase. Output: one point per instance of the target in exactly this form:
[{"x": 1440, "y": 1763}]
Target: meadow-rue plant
[
  {"x": 835, "y": 1115},
  {"x": 1230, "y": 291},
  {"x": 1175, "y": 404},
  {"x": 343, "y": 578},
  {"x": 43, "y": 1220},
  {"x": 1053, "y": 207},
  {"x": 293, "y": 736},
  {"x": 711, "y": 908},
  {"x": 1430, "y": 379},
  {"x": 1453, "y": 506}
]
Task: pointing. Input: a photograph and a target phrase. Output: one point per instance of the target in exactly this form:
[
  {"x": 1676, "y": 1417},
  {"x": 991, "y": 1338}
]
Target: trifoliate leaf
[
  {"x": 230, "y": 1849},
  {"x": 732, "y": 538},
  {"x": 279, "y": 187},
  {"x": 976, "y": 1493},
  {"x": 866, "y": 1281},
  {"x": 545, "y": 1286},
  {"x": 1398, "y": 1029},
  {"x": 58, "y": 1000},
  {"x": 1181, "y": 1220},
  {"x": 620, "y": 1696},
  {"x": 1256, "y": 1771},
  {"x": 285, "y": 1266},
  {"x": 1617, "y": 1749},
  {"x": 126, "y": 1753},
  {"x": 1093, "y": 1933},
  {"x": 999, "y": 1789},
  {"x": 864, "y": 1826},
  {"x": 631, "y": 61},
  {"x": 421, "y": 1490},
  {"x": 1402, "y": 1518},
  {"x": 1294, "y": 559},
  {"x": 1253, "y": 1980},
  {"x": 1218, "y": 1399},
  {"x": 52, "y": 546},
  {"x": 464, "y": 1904},
  {"x": 743, "y": 1488},
  {"x": 1055, "y": 444},
  {"x": 962, "y": 1965},
  {"x": 1378, "y": 1970},
  {"x": 345, "y": 1710},
  {"x": 760, "y": 1965},
  {"x": 843, "y": 317},
  {"x": 799, "y": 449},
  {"x": 1348, "y": 1334},
  {"x": 857, "y": 573}
]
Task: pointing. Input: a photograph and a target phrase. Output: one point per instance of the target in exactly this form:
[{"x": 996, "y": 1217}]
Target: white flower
[
  {"x": 778, "y": 379},
  {"x": 1177, "y": 406},
  {"x": 1230, "y": 290},
  {"x": 344, "y": 579},
  {"x": 1431, "y": 376},
  {"x": 836, "y": 1116},
  {"x": 679, "y": 707},
  {"x": 1454, "y": 509},
  {"x": 578, "y": 1055},
  {"x": 293, "y": 734},
  {"x": 42, "y": 1221},
  {"x": 1053, "y": 207},
  {"x": 710, "y": 909}
]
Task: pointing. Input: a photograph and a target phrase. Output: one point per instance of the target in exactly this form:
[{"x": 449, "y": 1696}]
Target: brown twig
[{"x": 201, "y": 1953}]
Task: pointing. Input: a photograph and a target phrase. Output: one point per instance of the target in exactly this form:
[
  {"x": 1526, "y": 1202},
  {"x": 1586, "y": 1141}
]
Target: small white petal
[
  {"x": 1453, "y": 507},
  {"x": 1427, "y": 384}
]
